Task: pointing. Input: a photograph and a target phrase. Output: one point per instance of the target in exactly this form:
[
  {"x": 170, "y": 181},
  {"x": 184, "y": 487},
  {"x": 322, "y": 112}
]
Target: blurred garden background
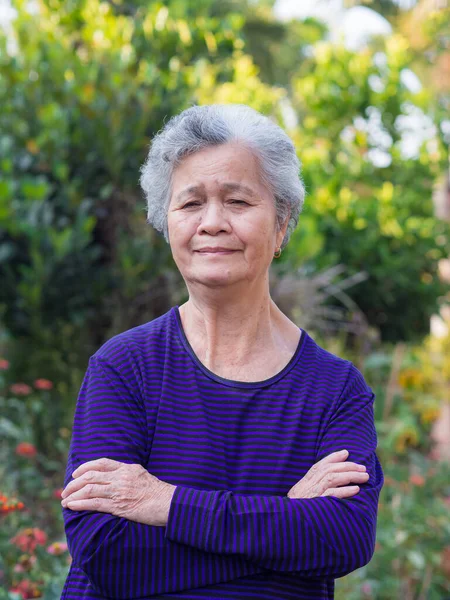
[{"x": 364, "y": 91}]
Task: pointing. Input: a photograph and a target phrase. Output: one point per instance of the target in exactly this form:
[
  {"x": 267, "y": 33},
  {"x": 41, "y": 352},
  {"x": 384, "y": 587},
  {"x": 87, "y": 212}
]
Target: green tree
[
  {"x": 82, "y": 94},
  {"x": 369, "y": 193}
]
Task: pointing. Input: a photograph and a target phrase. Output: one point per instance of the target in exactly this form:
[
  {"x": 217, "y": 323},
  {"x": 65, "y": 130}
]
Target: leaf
[
  {"x": 8, "y": 429},
  {"x": 416, "y": 558}
]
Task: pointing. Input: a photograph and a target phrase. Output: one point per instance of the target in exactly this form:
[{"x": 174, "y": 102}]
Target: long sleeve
[
  {"x": 323, "y": 536},
  {"x": 122, "y": 558}
]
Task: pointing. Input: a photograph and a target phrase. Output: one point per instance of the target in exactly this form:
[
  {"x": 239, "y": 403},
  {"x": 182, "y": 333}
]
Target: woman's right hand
[{"x": 326, "y": 477}]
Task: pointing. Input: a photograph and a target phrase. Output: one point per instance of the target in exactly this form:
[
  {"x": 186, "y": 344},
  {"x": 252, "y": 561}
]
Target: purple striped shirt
[{"x": 234, "y": 449}]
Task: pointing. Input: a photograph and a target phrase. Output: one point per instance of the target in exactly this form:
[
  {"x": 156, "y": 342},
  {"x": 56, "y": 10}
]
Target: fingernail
[
  {"x": 344, "y": 451},
  {"x": 362, "y": 468}
]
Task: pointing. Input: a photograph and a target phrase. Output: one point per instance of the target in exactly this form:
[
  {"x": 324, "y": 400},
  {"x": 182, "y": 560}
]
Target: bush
[
  {"x": 33, "y": 550},
  {"x": 81, "y": 97},
  {"x": 370, "y": 193}
]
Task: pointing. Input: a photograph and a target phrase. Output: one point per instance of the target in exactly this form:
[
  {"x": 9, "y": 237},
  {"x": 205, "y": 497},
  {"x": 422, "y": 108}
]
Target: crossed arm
[{"x": 217, "y": 535}]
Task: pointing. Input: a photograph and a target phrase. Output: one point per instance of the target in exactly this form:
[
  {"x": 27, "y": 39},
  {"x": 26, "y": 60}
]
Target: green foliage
[
  {"x": 413, "y": 535},
  {"x": 84, "y": 86},
  {"x": 377, "y": 219},
  {"x": 387, "y": 8},
  {"x": 34, "y": 476},
  {"x": 413, "y": 530},
  {"x": 81, "y": 97}
]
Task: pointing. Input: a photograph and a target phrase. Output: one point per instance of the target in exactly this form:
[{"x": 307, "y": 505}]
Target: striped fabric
[{"x": 234, "y": 449}]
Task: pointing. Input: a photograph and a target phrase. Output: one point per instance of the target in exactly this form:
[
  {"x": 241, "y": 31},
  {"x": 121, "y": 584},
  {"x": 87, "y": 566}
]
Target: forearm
[
  {"x": 315, "y": 537},
  {"x": 124, "y": 559}
]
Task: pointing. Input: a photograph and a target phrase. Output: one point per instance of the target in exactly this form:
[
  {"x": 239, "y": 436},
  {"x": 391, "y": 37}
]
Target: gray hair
[{"x": 201, "y": 126}]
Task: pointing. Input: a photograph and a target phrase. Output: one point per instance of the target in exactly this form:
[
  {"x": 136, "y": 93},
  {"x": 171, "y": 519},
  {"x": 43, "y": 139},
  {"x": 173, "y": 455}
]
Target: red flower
[
  {"x": 26, "y": 449},
  {"x": 4, "y": 364},
  {"x": 43, "y": 384},
  {"x": 29, "y": 538},
  {"x": 9, "y": 504},
  {"x": 27, "y": 589},
  {"x": 21, "y": 389},
  {"x": 417, "y": 479},
  {"x": 57, "y": 493}
]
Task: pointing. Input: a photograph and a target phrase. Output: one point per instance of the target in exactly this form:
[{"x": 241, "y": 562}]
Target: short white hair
[{"x": 201, "y": 126}]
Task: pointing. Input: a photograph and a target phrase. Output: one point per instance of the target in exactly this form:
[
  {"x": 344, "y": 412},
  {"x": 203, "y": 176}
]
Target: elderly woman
[{"x": 218, "y": 451}]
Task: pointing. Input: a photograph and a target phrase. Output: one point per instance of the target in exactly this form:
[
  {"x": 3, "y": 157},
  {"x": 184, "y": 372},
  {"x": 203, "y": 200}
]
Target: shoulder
[
  {"x": 138, "y": 343},
  {"x": 335, "y": 372}
]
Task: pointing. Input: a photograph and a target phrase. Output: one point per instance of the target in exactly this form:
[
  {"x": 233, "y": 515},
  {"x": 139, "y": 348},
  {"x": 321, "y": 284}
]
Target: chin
[{"x": 216, "y": 279}]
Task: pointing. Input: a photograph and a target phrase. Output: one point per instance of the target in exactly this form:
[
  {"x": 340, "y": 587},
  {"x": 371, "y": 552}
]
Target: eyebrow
[
  {"x": 192, "y": 189},
  {"x": 229, "y": 187},
  {"x": 238, "y": 187}
]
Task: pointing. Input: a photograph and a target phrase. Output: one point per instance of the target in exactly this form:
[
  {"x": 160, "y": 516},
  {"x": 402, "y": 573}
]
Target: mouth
[{"x": 219, "y": 252}]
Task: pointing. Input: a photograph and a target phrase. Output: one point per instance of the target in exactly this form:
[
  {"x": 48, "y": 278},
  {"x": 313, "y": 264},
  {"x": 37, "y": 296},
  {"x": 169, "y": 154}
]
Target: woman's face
[{"x": 219, "y": 201}]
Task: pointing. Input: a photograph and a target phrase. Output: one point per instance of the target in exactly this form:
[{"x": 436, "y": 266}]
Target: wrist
[{"x": 168, "y": 495}]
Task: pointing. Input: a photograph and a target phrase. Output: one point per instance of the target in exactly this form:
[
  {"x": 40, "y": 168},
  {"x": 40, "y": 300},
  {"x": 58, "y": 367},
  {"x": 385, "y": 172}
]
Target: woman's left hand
[{"x": 123, "y": 490}]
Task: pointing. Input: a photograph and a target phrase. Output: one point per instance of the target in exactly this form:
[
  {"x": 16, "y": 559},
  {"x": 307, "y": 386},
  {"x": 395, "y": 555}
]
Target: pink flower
[
  {"x": 57, "y": 548},
  {"x": 25, "y": 563},
  {"x": 366, "y": 589},
  {"x": 21, "y": 389},
  {"x": 26, "y": 449},
  {"x": 40, "y": 536},
  {"x": 19, "y": 568},
  {"x": 29, "y": 538},
  {"x": 43, "y": 384},
  {"x": 4, "y": 364},
  {"x": 434, "y": 454}
]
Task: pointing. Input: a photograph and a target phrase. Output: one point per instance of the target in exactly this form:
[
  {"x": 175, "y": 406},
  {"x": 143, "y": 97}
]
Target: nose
[{"x": 213, "y": 219}]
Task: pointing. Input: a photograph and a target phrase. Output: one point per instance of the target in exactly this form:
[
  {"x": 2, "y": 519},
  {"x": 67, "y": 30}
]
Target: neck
[{"x": 223, "y": 328}]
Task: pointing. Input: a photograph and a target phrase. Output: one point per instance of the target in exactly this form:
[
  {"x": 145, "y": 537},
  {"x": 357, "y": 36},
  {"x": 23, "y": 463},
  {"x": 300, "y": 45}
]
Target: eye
[
  {"x": 235, "y": 201},
  {"x": 188, "y": 204}
]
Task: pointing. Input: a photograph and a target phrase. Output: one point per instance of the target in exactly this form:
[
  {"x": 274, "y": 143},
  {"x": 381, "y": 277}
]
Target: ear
[{"x": 282, "y": 232}]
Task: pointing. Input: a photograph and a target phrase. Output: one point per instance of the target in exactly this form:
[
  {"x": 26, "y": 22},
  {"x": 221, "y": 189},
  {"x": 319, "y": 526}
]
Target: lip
[{"x": 215, "y": 250}]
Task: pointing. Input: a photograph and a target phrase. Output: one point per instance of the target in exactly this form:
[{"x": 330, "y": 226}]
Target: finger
[
  {"x": 338, "y": 479},
  {"x": 100, "y": 464},
  {"x": 89, "y": 491},
  {"x": 96, "y": 504},
  {"x": 342, "y": 492},
  {"x": 85, "y": 478},
  {"x": 334, "y": 457},
  {"x": 344, "y": 466}
]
